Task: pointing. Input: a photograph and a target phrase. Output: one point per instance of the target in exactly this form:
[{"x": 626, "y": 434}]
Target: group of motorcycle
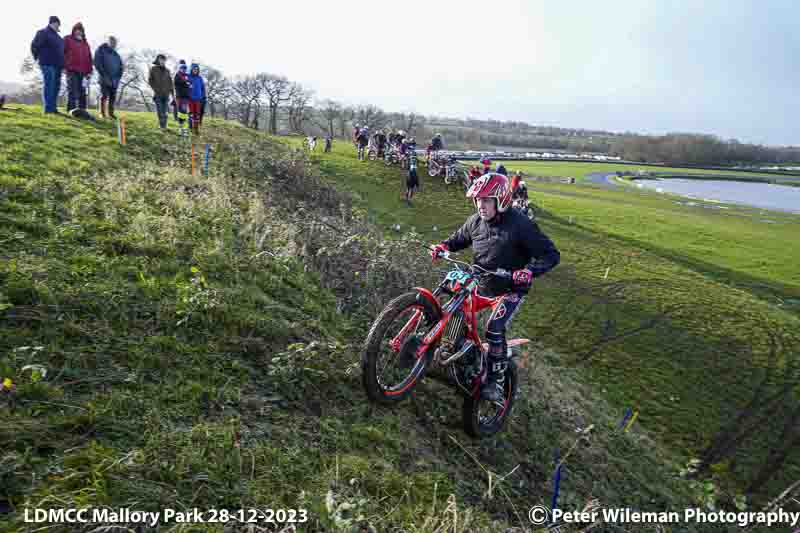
[{"x": 441, "y": 165}]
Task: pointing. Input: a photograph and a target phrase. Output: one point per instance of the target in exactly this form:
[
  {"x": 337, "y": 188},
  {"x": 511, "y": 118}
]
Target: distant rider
[{"x": 362, "y": 141}]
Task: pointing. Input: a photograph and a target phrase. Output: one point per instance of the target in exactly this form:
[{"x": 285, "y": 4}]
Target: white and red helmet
[{"x": 492, "y": 185}]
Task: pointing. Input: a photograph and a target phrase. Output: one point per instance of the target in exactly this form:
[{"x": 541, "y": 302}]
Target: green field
[
  {"x": 189, "y": 341},
  {"x": 579, "y": 170},
  {"x": 682, "y": 324}
]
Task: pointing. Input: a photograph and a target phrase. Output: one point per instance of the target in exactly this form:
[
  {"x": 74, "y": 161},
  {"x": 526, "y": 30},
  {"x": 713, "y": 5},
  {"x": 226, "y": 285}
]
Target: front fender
[{"x": 428, "y": 295}]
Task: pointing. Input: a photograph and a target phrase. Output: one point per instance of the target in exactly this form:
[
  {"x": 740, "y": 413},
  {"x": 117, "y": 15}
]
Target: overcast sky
[{"x": 727, "y": 67}]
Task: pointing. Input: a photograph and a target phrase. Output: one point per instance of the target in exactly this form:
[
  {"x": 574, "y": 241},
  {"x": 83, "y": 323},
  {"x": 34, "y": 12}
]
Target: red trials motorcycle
[{"x": 416, "y": 333}]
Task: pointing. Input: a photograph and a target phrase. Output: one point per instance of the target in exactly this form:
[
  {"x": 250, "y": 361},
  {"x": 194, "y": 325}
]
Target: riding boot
[{"x": 494, "y": 389}]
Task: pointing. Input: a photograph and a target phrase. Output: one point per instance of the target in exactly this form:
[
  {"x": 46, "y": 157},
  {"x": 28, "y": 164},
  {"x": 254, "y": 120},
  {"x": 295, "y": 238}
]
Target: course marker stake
[{"x": 632, "y": 420}]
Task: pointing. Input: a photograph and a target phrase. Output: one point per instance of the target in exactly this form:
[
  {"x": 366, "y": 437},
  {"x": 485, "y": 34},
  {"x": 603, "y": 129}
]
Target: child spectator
[
  {"x": 196, "y": 98},
  {"x": 183, "y": 91}
]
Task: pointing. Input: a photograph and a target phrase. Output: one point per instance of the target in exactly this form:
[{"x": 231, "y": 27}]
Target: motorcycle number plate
[{"x": 458, "y": 276}]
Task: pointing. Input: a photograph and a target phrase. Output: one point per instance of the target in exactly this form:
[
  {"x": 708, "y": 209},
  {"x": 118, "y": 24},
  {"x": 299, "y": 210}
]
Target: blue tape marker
[
  {"x": 208, "y": 151},
  {"x": 628, "y": 413},
  {"x": 556, "y": 483}
]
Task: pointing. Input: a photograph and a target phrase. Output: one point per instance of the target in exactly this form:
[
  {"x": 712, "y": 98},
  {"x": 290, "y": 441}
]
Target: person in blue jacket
[
  {"x": 48, "y": 49},
  {"x": 110, "y": 68},
  {"x": 196, "y": 98}
]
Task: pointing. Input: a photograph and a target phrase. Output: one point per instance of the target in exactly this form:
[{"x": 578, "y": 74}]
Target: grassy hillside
[
  {"x": 678, "y": 311},
  {"x": 187, "y": 341}
]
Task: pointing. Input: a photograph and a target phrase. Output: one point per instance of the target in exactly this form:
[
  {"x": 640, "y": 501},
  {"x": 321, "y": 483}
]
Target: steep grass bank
[
  {"x": 687, "y": 314},
  {"x": 168, "y": 347}
]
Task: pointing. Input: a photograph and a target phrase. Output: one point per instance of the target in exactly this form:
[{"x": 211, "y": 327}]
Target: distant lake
[{"x": 761, "y": 195}]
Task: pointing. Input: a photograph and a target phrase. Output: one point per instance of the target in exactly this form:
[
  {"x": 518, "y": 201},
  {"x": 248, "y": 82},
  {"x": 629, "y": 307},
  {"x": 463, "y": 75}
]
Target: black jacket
[
  {"x": 510, "y": 241},
  {"x": 183, "y": 87}
]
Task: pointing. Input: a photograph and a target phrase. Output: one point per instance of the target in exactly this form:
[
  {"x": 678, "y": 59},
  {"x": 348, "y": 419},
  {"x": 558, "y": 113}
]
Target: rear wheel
[
  {"x": 391, "y": 372},
  {"x": 450, "y": 177},
  {"x": 373, "y": 155},
  {"x": 484, "y": 419}
]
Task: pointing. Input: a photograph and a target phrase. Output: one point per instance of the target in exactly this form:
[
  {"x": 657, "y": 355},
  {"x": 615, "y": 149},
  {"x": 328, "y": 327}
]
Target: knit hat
[
  {"x": 159, "y": 56},
  {"x": 54, "y": 19},
  {"x": 195, "y": 66},
  {"x": 182, "y": 65}
]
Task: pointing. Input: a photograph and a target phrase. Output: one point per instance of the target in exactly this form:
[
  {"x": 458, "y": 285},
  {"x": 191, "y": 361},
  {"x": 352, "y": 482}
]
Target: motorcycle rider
[
  {"x": 487, "y": 165},
  {"x": 437, "y": 143},
  {"x": 380, "y": 138},
  {"x": 363, "y": 140},
  {"x": 521, "y": 194},
  {"x": 412, "y": 180},
  {"x": 502, "y": 238}
]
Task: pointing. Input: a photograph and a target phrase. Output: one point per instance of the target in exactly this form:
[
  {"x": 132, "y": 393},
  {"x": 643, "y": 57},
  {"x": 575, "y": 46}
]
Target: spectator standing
[
  {"x": 196, "y": 97},
  {"x": 183, "y": 91},
  {"x": 328, "y": 142},
  {"x": 48, "y": 49},
  {"x": 78, "y": 65},
  {"x": 110, "y": 68},
  {"x": 160, "y": 81}
]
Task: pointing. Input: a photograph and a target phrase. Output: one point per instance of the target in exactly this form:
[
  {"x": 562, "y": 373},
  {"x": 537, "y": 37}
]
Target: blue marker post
[
  {"x": 556, "y": 483},
  {"x": 208, "y": 153},
  {"x": 628, "y": 413}
]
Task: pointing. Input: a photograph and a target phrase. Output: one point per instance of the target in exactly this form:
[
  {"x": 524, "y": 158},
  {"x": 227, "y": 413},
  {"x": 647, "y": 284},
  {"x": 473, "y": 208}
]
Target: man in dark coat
[
  {"x": 48, "y": 49},
  {"x": 78, "y": 64},
  {"x": 110, "y": 68},
  {"x": 160, "y": 81}
]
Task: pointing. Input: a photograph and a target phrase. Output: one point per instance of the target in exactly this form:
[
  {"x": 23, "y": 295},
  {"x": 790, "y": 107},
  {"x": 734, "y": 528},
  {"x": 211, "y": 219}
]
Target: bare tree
[
  {"x": 371, "y": 115},
  {"x": 134, "y": 78},
  {"x": 346, "y": 119},
  {"x": 330, "y": 112},
  {"x": 276, "y": 89},
  {"x": 218, "y": 89},
  {"x": 298, "y": 98},
  {"x": 33, "y": 80},
  {"x": 248, "y": 94}
]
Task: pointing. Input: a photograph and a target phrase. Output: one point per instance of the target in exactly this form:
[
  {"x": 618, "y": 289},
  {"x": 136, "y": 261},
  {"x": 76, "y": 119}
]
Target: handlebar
[{"x": 500, "y": 273}]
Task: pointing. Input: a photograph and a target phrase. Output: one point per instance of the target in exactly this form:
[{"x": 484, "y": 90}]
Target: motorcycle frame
[{"x": 470, "y": 303}]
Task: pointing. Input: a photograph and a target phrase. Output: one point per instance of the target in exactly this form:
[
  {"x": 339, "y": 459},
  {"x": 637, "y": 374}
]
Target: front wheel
[
  {"x": 450, "y": 177},
  {"x": 390, "y": 367},
  {"x": 484, "y": 419}
]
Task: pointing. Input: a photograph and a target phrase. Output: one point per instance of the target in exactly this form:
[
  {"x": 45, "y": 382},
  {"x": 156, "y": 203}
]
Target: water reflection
[{"x": 763, "y": 195}]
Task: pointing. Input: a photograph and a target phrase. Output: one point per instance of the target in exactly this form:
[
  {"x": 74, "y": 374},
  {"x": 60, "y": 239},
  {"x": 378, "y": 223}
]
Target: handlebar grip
[{"x": 501, "y": 273}]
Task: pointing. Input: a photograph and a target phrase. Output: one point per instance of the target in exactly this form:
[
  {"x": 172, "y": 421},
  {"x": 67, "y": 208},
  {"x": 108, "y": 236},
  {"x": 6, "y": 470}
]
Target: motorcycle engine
[{"x": 452, "y": 339}]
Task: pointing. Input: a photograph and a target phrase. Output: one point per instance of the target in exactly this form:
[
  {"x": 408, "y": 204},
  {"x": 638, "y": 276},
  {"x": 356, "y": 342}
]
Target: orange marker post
[{"x": 122, "y": 118}]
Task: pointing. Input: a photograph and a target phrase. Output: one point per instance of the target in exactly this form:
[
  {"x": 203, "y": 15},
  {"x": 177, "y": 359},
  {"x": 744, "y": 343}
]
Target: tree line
[
  {"x": 276, "y": 104},
  {"x": 698, "y": 149}
]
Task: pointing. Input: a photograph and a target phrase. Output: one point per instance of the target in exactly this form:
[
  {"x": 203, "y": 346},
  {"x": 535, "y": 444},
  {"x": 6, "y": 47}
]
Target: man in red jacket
[{"x": 78, "y": 65}]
